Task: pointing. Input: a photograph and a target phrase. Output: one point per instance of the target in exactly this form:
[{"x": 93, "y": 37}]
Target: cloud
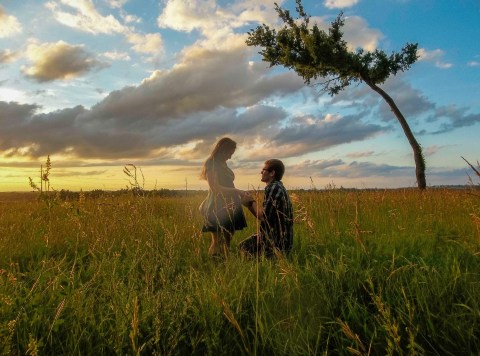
[
  {"x": 9, "y": 25},
  {"x": 201, "y": 82},
  {"x": 7, "y": 56},
  {"x": 254, "y": 11},
  {"x": 189, "y": 15},
  {"x": 411, "y": 102},
  {"x": 117, "y": 56},
  {"x": 10, "y": 94},
  {"x": 340, "y": 169},
  {"x": 208, "y": 94},
  {"x": 473, "y": 64},
  {"x": 434, "y": 56},
  {"x": 360, "y": 154},
  {"x": 60, "y": 60},
  {"x": 368, "y": 169},
  {"x": 359, "y": 35},
  {"x": 116, "y": 4},
  {"x": 339, "y": 4},
  {"x": 150, "y": 43},
  {"x": 433, "y": 150},
  {"x": 83, "y": 16},
  {"x": 455, "y": 118},
  {"x": 13, "y": 113},
  {"x": 356, "y": 30},
  {"x": 315, "y": 167},
  {"x": 70, "y": 173},
  {"x": 128, "y": 18},
  {"x": 197, "y": 99},
  {"x": 216, "y": 24},
  {"x": 311, "y": 134}
]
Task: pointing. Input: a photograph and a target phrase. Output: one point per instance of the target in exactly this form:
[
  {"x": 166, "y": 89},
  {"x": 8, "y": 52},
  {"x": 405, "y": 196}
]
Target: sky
[{"x": 97, "y": 85}]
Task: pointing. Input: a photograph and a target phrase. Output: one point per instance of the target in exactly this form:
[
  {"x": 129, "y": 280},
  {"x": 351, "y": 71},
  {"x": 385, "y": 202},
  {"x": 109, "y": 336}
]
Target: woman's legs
[
  {"x": 227, "y": 237},
  {"x": 215, "y": 246},
  {"x": 220, "y": 243}
]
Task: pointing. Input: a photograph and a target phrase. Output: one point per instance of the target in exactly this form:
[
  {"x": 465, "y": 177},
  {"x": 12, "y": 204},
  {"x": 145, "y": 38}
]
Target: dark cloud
[
  {"x": 202, "y": 83},
  {"x": 311, "y": 134},
  {"x": 411, "y": 102},
  {"x": 414, "y": 106},
  {"x": 368, "y": 169},
  {"x": 13, "y": 114},
  {"x": 340, "y": 169},
  {"x": 196, "y": 100},
  {"x": 208, "y": 94},
  {"x": 452, "y": 118}
]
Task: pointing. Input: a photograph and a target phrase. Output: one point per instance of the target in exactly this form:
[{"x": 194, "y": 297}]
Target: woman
[{"x": 222, "y": 209}]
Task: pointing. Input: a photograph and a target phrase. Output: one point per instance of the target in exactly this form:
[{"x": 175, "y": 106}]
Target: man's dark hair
[{"x": 277, "y": 166}]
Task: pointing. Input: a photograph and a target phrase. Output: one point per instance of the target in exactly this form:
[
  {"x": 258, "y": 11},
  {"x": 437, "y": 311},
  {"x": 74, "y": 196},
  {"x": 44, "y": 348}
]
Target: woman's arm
[{"x": 256, "y": 210}]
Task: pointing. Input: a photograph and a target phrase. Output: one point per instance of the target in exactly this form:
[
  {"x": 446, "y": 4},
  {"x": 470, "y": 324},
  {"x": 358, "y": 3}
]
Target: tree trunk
[{"x": 417, "y": 149}]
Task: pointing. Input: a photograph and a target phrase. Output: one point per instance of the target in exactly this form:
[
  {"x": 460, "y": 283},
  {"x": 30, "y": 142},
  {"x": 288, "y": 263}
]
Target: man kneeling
[{"x": 276, "y": 215}]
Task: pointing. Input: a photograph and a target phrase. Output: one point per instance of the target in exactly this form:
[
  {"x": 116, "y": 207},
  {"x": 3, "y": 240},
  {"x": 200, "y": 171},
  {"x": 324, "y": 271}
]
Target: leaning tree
[{"x": 313, "y": 53}]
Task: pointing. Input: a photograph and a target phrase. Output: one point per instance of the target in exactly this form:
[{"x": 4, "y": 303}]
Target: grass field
[{"x": 372, "y": 272}]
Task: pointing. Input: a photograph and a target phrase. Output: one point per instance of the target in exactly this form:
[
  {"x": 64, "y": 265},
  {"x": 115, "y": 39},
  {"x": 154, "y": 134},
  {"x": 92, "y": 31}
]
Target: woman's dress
[{"x": 222, "y": 211}]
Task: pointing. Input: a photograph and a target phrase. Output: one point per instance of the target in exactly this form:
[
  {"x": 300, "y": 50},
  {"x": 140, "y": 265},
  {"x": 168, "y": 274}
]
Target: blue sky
[{"x": 98, "y": 84}]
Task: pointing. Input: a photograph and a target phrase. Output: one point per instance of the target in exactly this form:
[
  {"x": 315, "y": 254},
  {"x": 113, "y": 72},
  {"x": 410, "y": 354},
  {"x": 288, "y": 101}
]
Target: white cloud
[
  {"x": 434, "y": 56},
  {"x": 151, "y": 43},
  {"x": 215, "y": 23},
  {"x": 9, "y": 25},
  {"x": 85, "y": 17},
  {"x": 473, "y": 64},
  {"x": 9, "y": 94},
  {"x": 130, "y": 18},
  {"x": 189, "y": 15},
  {"x": 117, "y": 56},
  {"x": 249, "y": 11},
  {"x": 116, "y": 4},
  {"x": 358, "y": 34},
  {"x": 339, "y": 4}
]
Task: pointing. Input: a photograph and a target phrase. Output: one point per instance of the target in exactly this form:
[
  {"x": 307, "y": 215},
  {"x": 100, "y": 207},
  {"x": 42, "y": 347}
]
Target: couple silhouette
[{"x": 223, "y": 212}]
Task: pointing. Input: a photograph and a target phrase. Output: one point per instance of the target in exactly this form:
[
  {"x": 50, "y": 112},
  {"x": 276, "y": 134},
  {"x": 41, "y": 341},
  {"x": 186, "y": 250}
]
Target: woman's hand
[{"x": 247, "y": 199}]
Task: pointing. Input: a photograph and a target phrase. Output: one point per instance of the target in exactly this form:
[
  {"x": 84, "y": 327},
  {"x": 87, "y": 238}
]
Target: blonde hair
[{"x": 222, "y": 146}]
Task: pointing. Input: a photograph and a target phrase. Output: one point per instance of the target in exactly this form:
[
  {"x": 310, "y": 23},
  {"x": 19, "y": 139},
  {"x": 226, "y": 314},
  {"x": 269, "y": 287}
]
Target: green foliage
[
  {"x": 371, "y": 272},
  {"x": 314, "y": 53}
]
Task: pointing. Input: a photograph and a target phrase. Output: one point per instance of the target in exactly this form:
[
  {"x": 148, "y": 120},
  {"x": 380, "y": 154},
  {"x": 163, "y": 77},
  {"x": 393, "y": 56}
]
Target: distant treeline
[
  {"x": 68, "y": 195},
  {"x": 99, "y": 193}
]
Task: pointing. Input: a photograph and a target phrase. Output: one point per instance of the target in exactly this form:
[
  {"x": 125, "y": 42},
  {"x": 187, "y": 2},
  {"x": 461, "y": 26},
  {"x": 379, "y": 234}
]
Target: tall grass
[{"x": 371, "y": 272}]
